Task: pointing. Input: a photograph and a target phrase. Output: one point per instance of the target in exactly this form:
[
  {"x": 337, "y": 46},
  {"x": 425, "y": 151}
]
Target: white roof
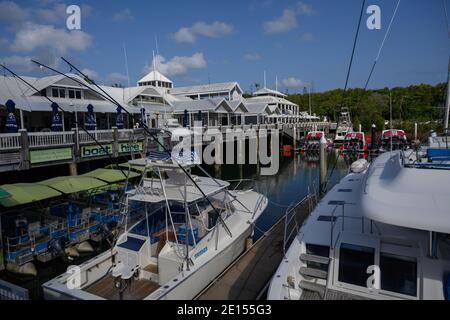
[
  {"x": 269, "y": 100},
  {"x": 407, "y": 197},
  {"x": 267, "y": 91},
  {"x": 155, "y": 75},
  {"x": 205, "y": 89}
]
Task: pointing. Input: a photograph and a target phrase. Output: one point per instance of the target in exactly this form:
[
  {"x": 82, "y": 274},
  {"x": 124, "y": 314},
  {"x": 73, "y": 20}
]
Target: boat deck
[
  {"x": 137, "y": 290},
  {"x": 248, "y": 277},
  {"x": 331, "y": 295}
]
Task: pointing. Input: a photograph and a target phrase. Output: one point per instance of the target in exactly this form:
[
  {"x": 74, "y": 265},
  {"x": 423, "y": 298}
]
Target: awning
[
  {"x": 4, "y": 194},
  {"x": 127, "y": 166},
  {"x": 73, "y": 184},
  {"x": 24, "y": 193},
  {"x": 111, "y": 175}
]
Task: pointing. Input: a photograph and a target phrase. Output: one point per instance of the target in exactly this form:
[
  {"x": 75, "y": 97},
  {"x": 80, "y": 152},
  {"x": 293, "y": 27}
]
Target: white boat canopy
[{"x": 407, "y": 197}]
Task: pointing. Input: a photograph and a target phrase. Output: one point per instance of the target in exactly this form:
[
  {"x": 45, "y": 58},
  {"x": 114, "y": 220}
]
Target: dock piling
[{"x": 323, "y": 165}]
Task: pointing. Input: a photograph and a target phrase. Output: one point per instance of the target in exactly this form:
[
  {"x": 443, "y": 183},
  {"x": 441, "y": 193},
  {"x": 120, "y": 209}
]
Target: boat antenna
[
  {"x": 126, "y": 64},
  {"x": 103, "y": 93}
]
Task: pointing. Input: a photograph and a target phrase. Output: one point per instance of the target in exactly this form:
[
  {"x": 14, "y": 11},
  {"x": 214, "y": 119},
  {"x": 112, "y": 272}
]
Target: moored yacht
[
  {"x": 381, "y": 233},
  {"x": 188, "y": 232}
]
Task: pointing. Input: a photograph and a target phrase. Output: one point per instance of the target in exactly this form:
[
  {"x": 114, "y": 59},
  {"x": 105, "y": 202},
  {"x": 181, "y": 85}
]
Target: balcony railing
[
  {"x": 99, "y": 135},
  {"x": 10, "y": 141},
  {"x": 50, "y": 139}
]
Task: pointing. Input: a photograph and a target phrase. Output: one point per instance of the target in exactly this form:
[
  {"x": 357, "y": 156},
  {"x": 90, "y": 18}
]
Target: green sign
[
  {"x": 131, "y": 147},
  {"x": 49, "y": 155},
  {"x": 96, "y": 151}
]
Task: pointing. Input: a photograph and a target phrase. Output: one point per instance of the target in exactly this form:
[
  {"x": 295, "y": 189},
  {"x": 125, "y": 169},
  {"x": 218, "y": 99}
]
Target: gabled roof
[
  {"x": 267, "y": 91},
  {"x": 207, "y": 88},
  {"x": 202, "y": 105},
  {"x": 155, "y": 75},
  {"x": 237, "y": 106},
  {"x": 259, "y": 108}
]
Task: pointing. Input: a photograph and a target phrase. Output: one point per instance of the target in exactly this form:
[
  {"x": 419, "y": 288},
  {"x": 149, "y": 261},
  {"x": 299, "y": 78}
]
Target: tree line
[{"x": 424, "y": 104}]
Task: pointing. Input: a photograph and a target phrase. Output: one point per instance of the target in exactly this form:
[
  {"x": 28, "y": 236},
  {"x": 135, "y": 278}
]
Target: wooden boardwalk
[{"x": 248, "y": 276}]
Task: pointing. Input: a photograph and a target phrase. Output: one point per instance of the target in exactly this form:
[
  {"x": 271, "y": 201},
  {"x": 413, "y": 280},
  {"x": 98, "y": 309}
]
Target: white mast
[
  {"x": 276, "y": 83},
  {"x": 447, "y": 109},
  {"x": 265, "y": 79},
  {"x": 126, "y": 64}
]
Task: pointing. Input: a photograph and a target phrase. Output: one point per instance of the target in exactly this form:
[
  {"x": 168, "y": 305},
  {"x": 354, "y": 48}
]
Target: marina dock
[{"x": 249, "y": 276}]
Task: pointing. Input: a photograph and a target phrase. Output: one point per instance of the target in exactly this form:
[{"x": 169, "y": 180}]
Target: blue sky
[{"x": 200, "y": 41}]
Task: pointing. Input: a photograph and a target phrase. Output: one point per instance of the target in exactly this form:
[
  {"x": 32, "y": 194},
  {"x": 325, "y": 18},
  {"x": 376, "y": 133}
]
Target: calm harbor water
[{"x": 297, "y": 175}]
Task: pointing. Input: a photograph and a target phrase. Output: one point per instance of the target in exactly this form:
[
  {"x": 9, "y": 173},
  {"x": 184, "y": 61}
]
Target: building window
[
  {"x": 62, "y": 93},
  {"x": 55, "y": 93},
  {"x": 398, "y": 274},
  {"x": 353, "y": 263},
  {"x": 71, "y": 94},
  {"x": 78, "y": 94}
]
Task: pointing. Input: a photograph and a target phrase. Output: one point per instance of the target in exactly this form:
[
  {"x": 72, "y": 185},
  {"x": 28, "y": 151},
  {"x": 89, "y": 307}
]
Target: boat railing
[
  {"x": 335, "y": 217},
  {"x": 289, "y": 217}
]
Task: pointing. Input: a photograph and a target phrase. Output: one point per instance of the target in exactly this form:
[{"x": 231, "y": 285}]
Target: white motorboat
[
  {"x": 179, "y": 244},
  {"x": 344, "y": 126},
  {"x": 381, "y": 233}
]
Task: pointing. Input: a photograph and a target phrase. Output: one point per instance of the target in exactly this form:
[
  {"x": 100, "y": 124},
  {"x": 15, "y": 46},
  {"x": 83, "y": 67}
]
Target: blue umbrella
[
  {"x": 90, "y": 123},
  {"x": 119, "y": 118},
  {"x": 56, "y": 118},
  {"x": 143, "y": 115},
  {"x": 185, "y": 119},
  {"x": 11, "y": 123}
]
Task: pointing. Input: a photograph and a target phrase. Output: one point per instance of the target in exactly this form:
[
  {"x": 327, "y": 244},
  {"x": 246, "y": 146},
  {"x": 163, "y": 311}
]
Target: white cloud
[
  {"x": 307, "y": 36},
  {"x": 252, "y": 56},
  {"x": 55, "y": 15},
  {"x": 286, "y": 22},
  {"x": 304, "y": 8},
  {"x": 293, "y": 83},
  {"x": 19, "y": 63},
  {"x": 12, "y": 13},
  {"x": 213, "y": 30},
  {"x": 34, "y": 36},
  {"x": 116, "y": 77},
  {"x": 123, "y": 16},
  {"x": 90, "y": 73},
  {"x": 177, "y": 65}
]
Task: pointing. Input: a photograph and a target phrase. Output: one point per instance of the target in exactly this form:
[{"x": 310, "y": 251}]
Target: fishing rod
[{"x": 105, "y": 95}]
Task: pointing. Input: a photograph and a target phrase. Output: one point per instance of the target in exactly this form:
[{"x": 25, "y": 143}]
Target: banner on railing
[
  {"x": 50, "y": 155},
  {"x": 96, "y": 151},
  {"x": 131, "y": 147}
]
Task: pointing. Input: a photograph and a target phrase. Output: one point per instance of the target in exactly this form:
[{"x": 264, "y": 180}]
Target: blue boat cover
[
  {"x": 438, "y": 154},
  {"x": 132, "y": 244}
]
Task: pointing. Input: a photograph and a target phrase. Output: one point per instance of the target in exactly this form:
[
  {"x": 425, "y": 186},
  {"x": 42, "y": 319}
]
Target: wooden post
[
  {"x": 115, "y": 142},
  {"x": 25, "y": 149}
]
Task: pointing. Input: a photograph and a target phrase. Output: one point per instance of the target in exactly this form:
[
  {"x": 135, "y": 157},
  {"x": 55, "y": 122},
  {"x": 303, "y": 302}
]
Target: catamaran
[
  {"x": 383, "y": 232},
  {"x": 188, "y": 233}
]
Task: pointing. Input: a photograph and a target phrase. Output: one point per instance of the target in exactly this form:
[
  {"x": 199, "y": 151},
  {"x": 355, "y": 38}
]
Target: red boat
[
  {"x": 395, "y": 137},
  {"x": 312, "y": 141},
  {"x": 355, "y": 142}
]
